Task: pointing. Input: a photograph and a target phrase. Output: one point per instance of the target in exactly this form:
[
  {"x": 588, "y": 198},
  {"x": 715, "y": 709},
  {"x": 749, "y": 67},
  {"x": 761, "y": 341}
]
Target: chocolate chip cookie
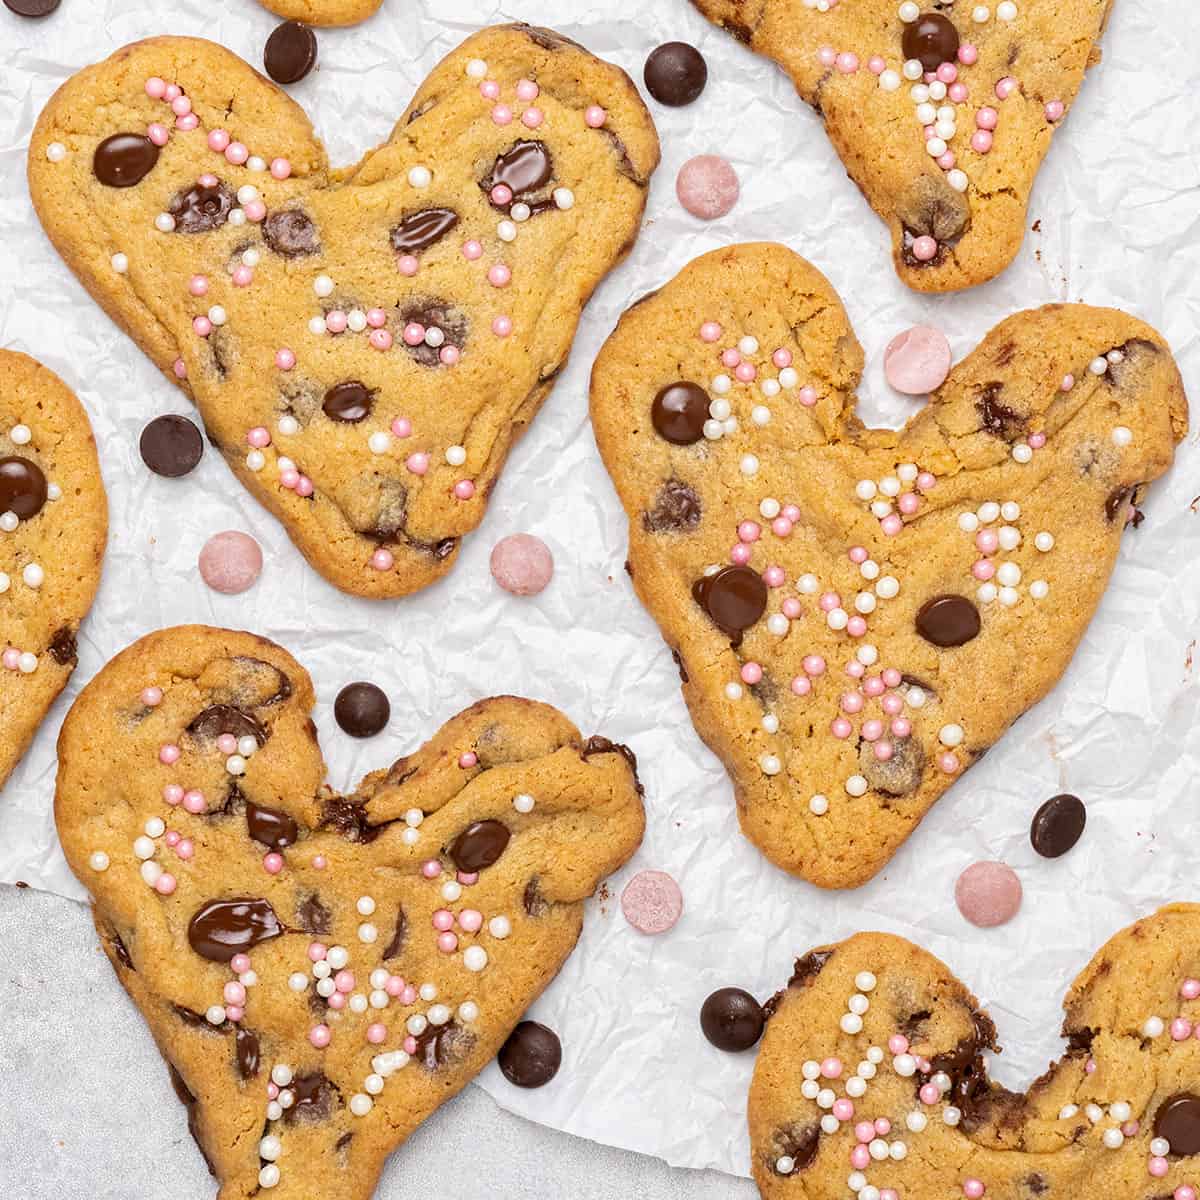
[{"x": 323, "y": 12}]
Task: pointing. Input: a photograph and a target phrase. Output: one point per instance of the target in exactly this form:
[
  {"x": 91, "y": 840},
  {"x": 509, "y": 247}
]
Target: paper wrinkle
[{"x": 1118, "y": 202}]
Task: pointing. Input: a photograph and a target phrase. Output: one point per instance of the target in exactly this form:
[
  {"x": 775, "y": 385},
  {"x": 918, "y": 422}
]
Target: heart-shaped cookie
[
  {"x": 871, "y": 1079},
  {"x": 364, "y": 345},
  {"x": 942, "y": 113},
  {"x": 231, "y": 883},
  {"x": 323, "y": 12},
  {"x": 53, "y": 528},
  {"x": 858, "y": 614}
]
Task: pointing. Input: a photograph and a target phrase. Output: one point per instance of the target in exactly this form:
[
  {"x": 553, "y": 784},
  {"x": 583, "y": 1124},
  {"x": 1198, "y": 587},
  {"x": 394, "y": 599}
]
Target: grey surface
[{"x": 87, "y": 1110}]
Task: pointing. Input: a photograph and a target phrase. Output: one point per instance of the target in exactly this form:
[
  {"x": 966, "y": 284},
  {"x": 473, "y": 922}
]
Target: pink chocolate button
[
  {"x": 652, "y": 902},
  {"x": 230, "y": 562},
  {"x": 917, "y": 361},
  {"x": 522, "y": 564},
  {"x": 988, "y": 893},
  {"x": 707, "y": 186}
]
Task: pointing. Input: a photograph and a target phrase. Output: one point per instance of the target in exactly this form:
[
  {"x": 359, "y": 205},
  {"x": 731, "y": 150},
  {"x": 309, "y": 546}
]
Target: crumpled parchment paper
[{"x": 1117, "y": 208}]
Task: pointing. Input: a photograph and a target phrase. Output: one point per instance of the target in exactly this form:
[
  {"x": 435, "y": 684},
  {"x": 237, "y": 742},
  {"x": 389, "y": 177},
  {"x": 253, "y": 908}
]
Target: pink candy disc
[
  {"x": 652, "y": 902},
  {"x": 917, "y": 361},
  {"x": 988, "y": 893},
  {"x": 707, "y": 186},
  {"x": 230, "y": 562},
  {"x": 522, "y": 564}
]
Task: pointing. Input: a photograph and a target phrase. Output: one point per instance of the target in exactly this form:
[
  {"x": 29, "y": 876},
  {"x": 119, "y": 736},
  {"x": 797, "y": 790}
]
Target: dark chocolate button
[
  {"x": 531, "y": 1056},
  {"x": 270, "y": 826},
  {"x": 348, "y": 402},
  {"x": 202, "y": 209},
  {"x": 735, "y": 597},
  {"x": 679, "y": 412},
  {"x": 1057, "y": 825},
  {"x": 675, "y": 74},
  {"x": 290, "y": 52},
  {"x": 32, "y": 8},
  {"x": 479, "y": 845},
  {"x": 732, "y": 1019},
  {"x": 523, "y": 169},
  {"x": 361, "y": 709},
  {"x": 124, "y": 159},
  {"x": 932, "y": 39},
  {"x": 171, "y": 446},
  {"x": 22, "y": 487},
  {"x": 948, "y": 621},
  {"x": 1178, "y": 1120},
  {"x": 291, "y": 232},
  {"x": 222, "y": 928},
  {"x": 420, "y": 230}
]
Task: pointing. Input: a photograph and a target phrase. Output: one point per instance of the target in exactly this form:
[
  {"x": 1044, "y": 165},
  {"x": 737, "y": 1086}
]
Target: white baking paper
[{"x": 1117, "y": 208}]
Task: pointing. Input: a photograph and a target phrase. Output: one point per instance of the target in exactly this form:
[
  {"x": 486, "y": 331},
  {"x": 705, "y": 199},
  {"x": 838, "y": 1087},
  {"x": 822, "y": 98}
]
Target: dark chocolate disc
[
  {"x": 948, "y": 621},
  {"x": 531, "y": 1056},
  {"x": 32, "y": 8},
  {"x": 1178, "y": 1120},
  {"x": 525, "y": 168},
  {"x": 201, "y": 208},
  {"x": 348, "y": 402},
  {"x": 222, "y": 928},
  {"x": 479, "y": 845},
  {"x": 22, "y": 487},
  {"x": 420, "y": 230},
  {"x": 270, "y": 826},
  {"x": 361, "y": 709},
  {"x": 290, "y": 52},
  {"x": 732, "y": 1019},
  {"x": 932, "y": 39},
  {"x": 679, "y": 412},
  {"x": 735, "y": 597},
  {"x": 124, "y": 159},
  {"x": 1057, "y": 825},
  {"x": 675, "y": 74},
  {"x": 171, "y": 445}
]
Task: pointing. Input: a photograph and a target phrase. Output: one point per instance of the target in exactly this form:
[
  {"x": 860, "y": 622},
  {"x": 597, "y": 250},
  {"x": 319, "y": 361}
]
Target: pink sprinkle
[
  {"x": 860, "y": 1157},
  {"x": 344, "y": 982},
  {"x": 172, "y": 794},
  {"x": 872, "y": 730},
  {"x": 807, "y": 396},
  {"x": 443, "y": 919},
  {"x": 259, "y": 436},
  {"x": 983, "y": 570},
  {"x": 987, "y": 541},
  {"x": 499, "y": 275},
  {"x": 883, "y": 751},
  {"x": 12, "y": 658},
  {"x": 1189, "y": 989},
  {"x": 285, "y": 360},
  {"x": 831, "y": 1068},
  {"x": 194, "y": 802},
  {"x": 892, "y": 677},
  {"x": 968, "y": 54},
  {"x": 181, "y": 106},
  {"x": 234, "y": 1012},
  {"x": 901, "y": 727},
  {"x": 410, "y": 1043},
  {"x": 827, "y": 56},
  {"x": 417, "y": 463},
  {"x": 947, "y": 72},
  {"x": 377, "y": 1034},
  {"x": 959, "y": 92},
  {"x": 926, "y": 481},
  {"x": 948, "y": 763},
  {"x": 207, "y": 180},
  {"x": 317, "y": 951},
  {"x": 409, "y": 996},
  {"x": 864, "y": 1132},
  {"x": 946, "y": 161},
  {"x": 883, "y": 1126},
  {"x": 1037, "y": 441},
  {"x": 186, "y": 850},
  {"x": 752, "y": 673},
  {"x": 1185, "y": 1191},
  {"x": 710, "y": 331},
  {"x": 813, "y": 664},
  {"x": 172, "y": 90},
  {"x": 730, "y": 357},
  {"x": 464, "y": 489},
  {"x": 335, "y": 321},
  {"x": 781, "y": 527},
  {"x": 930, "y": 1093},
  {"x": 973, "y": 1189},
  {"x": 380, "y": 339},
  {"x": 852, "y": 702},
  {"x": 782, "y": 358},
  {"x": 320, "y": 1036},
  {"x": 201, "y": 326},
  {"x": 792, "y": 608},
  {"x": 472, "y": 251},
  {"x": 501, "y": 195},
  {"x": 431, "y": 869},
  {"x": 234, "y": 992},
  {"x": 891, "y": 524},
  {"x": 236, "y": 153},
  {"x": 155, "y": 88},
  {"x": 383, "y": 559},
  {"x": 243, "y": 276},
  {"x": 241, "y": 964},
  {"x": 1158, "y": 1167},
  {"x": 749, "y": 531},
  {"x": 876, "y": 65},
  {"x": 402, "y": 427},
  {"x": 527, "y": 90},
  {"x": 152, "y": 697},
  {"x": 924, "y": 248},
  {"x": 987, "y": 118},
  {"x": 320, "y": 862},
  {"x": 847, "y": 63},
  {"x": 467, "y": 878},
  {"x": 414, "y": 334},
  {"x": 892, "y": 704},
  {"x": 408, "y": 264},
  {"x": 908, "y": 503},
  {"x": 218, "y": 139},
  {"x": 158, "y": 133},
  {"x": 164, "y": 885},
  {"x": 450, "y": 355},
  {"x": 180, "y": 368},
  {"x": 531, "y": 118},
  {"x": 377, "y": 318},
  {"x": 272, "y": 863},
  {"x": 173, "y": 838},
  {"x": 468, "y": 759},
  {"x": 471, "y": 920},
  {"x": 169, "y": 754},
  {"x": 447, "y": 943},
  {"x": 187, "y": 123},
  {"x": 801, "y": 686},
  {"x": 489, "y": 89},
  {"x": 1005, "y": 87},
  {"x": 873, "y": 686},
  {"x": 1055, "y": 110},
  {"x": 981, "y": 141},
  {"x": 855, "y": 669},
  {"x": 502, "y": 114},
  {"x": 394, "y": 986},
  {"x": 289, "y": 478},
  {"x": 227, "y": 743},
  {"x": 746, "y": 372},
  {"x": 840, "y": 728},
  {"x": 1181, "y": 1029},
  {"x": 856, "y": 626},
  {"x": 791, "y": 512},
  {"x": 898, "y": 1044},
  {"x": 502, "y": 326},
  {"x": 858, "y": 554},
  {"x": 595, "y": 117},
  {"x": 829, "y": 601},
  {"x": 1130, "y": 1128}
]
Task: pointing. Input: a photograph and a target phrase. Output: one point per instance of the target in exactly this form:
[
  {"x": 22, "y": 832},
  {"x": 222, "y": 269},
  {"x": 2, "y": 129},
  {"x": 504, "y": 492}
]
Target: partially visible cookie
[
  {"x": 53, "y": 527},
  {"x": 872, "y": 1079},
  {"x": 322, "y": 971},
  {"x": 941, "y": 112},
  {"x": 364, "y": 345},
  {"x": 859, "y": 614},
  {"x": 323, "y": 12}
]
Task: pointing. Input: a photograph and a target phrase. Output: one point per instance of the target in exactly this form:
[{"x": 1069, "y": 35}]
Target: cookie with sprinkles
[
  {"x": 942, "y": 113},
  {"x": 53, "y": 528},
  {"x": 322, "y": 971},
  {"x": 364, "y": 345},
  {"x": 872, "y": 1079},
  {"x": 859, "y": 614},
  {"x": 323, "y": 12}
]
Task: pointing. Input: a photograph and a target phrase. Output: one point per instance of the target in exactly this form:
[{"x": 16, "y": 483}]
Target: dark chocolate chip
[
  {"x": 350, "y": 819},
  {"x": 523, "y": 169},
  {"x": 438, "y": 1043},
  {"x": 202, "y": 208},
  {"x": 291, "y": 232},
  {"x": 433, "y": 314},
  {"x": 948, "y": 621},
  {"x": 932, "y": 39},
  {"x": 677, "y": 509},
  {"x": 314, "y": 1098},
  {"x": 314, "y": 916},
  {"x": 479, "y": 845},
  {"x": 732, "y": 1019},
  {"x": 124, "y": 159},
  {"x": 1178, "y": 1120},
  {"x": 361, "y": 709},
  {"x": 270, "y": 826},
  {"x": 532, "y": 900},
  {"x": 171, "y": 446},
  {"x": 290, "y": 52},
  {"x": 63, "y": 647},
  {"x": 800, "y": 1143},
  {"x": 1058, "y": 825},
  {"x": 399, "y": 936},
  {"x": 222, "y": 928},
  {"x": 32, "y": 8},
  {"x": 420, "y": 230},
  {"x": 735, "y": 597},
  {"x": 246, "y": 1044},
  {"x": 122, "y": 952},
  {"x": 22, "y": 487},
  {"x": 348, "y": 402},
  {"x": 675, "y": 74},
  {"x": 998, "y": 418},
  {"x": 531, "y": 1056},
  {"x": 809, "y": 967},
  {"x": 679, "y": 412}
]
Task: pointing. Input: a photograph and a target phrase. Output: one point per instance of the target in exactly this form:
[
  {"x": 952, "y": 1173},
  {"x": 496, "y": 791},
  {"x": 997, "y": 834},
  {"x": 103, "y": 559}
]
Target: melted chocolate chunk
[
  {"x": 348, "y": 402},
  {"x": 1178, "y": 1120},
  {"x": 732, "y": 1019},
  {"x": 679, "y": 412},
  {"x": 433, "y": 314},
  {"x": 998, "y": 418},
  {"x": 436, "y": 1045},
  {"x": 124, "y": 159},
  {"x": 314, "y": 916},
  {"x": 1116, "y": 501},
  {"x": 809, "y": 967},
  {"x": 965, "y": 1066},
  {"x": 315, "y": 1098},
  {"x": 1035, "y": 1184},
  {"x": 601, "y": 745},
  {"x": 932, "y": 39},
  {"x": 343, "y": 1142},
  {"x": 22, "y": 487},
  {"x": 189, "y": 1016},
  {"x": 222, "y": 928},
  {"x": 349, "y": 818},
  {"x": 291, "y": 232},
  {"x": 183, "y": 1092},
  {"x": 479, "y": 845},
  {"x": 399, "y": 936},
  {"x": 900, "y": 774},
  {"x": 202, "y": 209},
  {"x": 800, "y": 1143},
  {"x": 247, "y": 1048},
  {"x": 948, "y": 621},
  {"x": 531, "y": 1056},
  {"x": 1057, "y": 825},
  {"x": 532, "y": 900},
  {"x": 122, "y": 952},
  {"x": 525, "y": 168},
  {"x": 270, "y": 826},
  {"x": 420, "y": 230},
  {"x": 217, "y": 719},
  {"x": 734, "y": 598},
  {"x": 63, "y": 648}
]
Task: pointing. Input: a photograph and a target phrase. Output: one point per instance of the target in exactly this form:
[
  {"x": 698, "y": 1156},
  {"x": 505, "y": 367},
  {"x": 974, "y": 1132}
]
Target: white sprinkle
[
  {"x": 523, "y": 802},
  {"x": 865, "y": 489},
  {"x": 500, "y": 927},
  {"x": 1122, "y": 436},
  {"x": 420, "y": 177},
  {"x": 564, "y": 198},
  {"x": 819, "y": 805},
  {"x": 120, "y": 263},
  {"x": 56, "y": 152},
  {"x": 856, "y": 785},
  {"x": 268, "y": 1177},
  {"x": 950, "y": 735},
  {"x": 770, "y": 764},
  {"x": 98, "y": 861},
  {"x": 164, "y": 222},
  {"x": 475, "y": 958},
  {"x": 476, "y": 68},
  {"x": 360, "y": 1102},
  {"x": 1022, "y": 453},
  {"x": 1044, "y": 541}
]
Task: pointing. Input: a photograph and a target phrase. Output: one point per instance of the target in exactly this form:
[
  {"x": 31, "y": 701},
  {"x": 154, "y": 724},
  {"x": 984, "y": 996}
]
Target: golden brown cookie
[
  {"x": 858, "y": 614},
  {"x": 942, "y": 113},
  {"x": 53, "y": 527},
  {"x": 322, "y": 971},
  {"x": 323, "y": 12},
  {"x": 872, "y": 1079},
  {"x": 364, "y": 344}
]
